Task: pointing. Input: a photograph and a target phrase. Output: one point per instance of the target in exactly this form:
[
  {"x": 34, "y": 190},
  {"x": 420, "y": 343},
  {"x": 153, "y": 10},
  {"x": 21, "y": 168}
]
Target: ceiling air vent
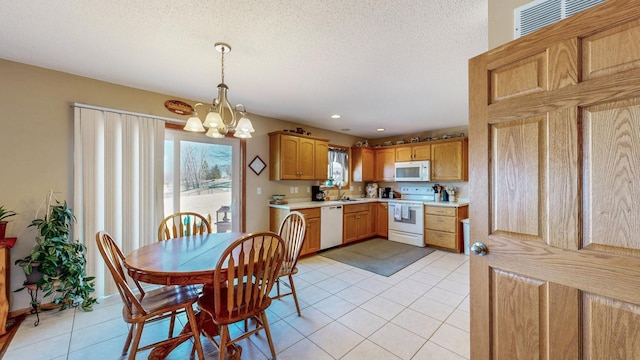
[{"x": 540, "y": 13}]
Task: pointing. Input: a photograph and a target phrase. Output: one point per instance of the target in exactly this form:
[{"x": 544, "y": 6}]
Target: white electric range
[{"x": 406, "y": 215}]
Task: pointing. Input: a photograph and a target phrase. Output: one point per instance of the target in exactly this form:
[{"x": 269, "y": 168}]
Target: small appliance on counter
[
  {"x": 317, "y": 194},
  {"x": 386, "y": 193}
]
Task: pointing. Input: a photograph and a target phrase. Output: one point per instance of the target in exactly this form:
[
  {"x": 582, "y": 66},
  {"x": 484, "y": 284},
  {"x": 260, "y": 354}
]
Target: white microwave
[{"x": 413, "y": 171}]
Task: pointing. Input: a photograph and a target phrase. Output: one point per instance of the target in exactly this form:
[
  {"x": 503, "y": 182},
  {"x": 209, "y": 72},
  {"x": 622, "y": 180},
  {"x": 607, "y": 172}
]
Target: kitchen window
[{"x": 338, "y": 169}]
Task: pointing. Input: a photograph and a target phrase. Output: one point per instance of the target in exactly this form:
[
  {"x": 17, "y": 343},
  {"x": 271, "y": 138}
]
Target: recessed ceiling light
[
  {"x": 336, "y": 116},
  {"x": 379, "y": 129},
  {"x": 345, "y": 129}
]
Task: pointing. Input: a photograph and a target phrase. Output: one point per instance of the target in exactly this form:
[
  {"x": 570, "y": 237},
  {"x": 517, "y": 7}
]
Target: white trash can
[{"x": 465, "y": 235}]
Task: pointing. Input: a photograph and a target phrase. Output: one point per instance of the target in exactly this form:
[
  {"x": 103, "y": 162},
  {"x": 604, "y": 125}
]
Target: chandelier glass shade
[{"x": 222, "y": 117}]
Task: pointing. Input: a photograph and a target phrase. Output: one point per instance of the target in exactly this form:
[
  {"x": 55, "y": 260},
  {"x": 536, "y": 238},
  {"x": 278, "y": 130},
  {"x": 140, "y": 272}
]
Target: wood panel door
[
  {"x": 321, "y": 171},
  {"x": 555, "y": 191},
  {"x": 350, "y": 228},
  {"x": 447, "y": 163},
  {"x": 421, "y": 152},
  {"x": 385, "y": 164},
  {"x": 289, "y": 155},
  {"x": 382, "y": 220},
  {"x": 306, "y": 159},
  {"x": 311, "y": 237},
  {"x": 403, "y": 153}
]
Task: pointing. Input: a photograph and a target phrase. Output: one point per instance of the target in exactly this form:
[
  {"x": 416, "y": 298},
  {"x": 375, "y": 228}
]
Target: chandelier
[{"x": 221, "y": 118}]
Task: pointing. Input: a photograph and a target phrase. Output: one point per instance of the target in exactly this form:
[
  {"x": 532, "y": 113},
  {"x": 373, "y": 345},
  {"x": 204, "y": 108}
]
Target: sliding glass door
[{"x": 202, "y": 175}]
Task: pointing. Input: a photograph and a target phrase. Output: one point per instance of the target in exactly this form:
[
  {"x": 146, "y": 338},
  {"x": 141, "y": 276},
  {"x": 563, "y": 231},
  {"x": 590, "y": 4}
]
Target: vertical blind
[{"x": 118, "y": 167}]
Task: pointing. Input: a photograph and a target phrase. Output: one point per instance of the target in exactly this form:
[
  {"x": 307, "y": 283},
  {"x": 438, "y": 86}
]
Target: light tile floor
[{"x": 420, "y": 312}]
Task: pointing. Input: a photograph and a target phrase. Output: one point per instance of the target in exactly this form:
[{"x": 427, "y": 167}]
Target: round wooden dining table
[{"x": 188, "y": 260}]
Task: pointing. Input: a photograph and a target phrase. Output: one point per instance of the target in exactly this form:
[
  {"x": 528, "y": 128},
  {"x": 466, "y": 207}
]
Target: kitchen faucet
[{"x": 339, "y": 185}]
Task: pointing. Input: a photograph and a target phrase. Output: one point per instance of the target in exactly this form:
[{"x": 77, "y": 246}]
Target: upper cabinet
[
  {"x": 385, "y": 164},
  {"x": 362, "y": 164},
  {"x": 413, "y": 152},
  {"x": 322, "y": 159},
  {"x": 450, "y": 160},
  {"x": 295, "y": 157}
]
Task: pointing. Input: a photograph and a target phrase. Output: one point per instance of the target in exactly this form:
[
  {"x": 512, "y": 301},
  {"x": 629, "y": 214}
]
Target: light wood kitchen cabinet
[
  {"x": 382, "y": 219},
  {"x": 362, "y": 164},
  {"x": 295, "y": 157},
  {"x": 312, "y": 220},
  {"x": 385, "y": 164},
  {"x": 413, "y": 152},
  {"x": 442, "y": 226},
  {"x": 357, "y": 222},
  {"x": 450, "y": 160},
  {"x": 322, "y": 160}
]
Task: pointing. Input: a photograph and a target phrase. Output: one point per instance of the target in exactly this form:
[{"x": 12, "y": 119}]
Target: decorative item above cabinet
[{"x": 297, "y": 157}]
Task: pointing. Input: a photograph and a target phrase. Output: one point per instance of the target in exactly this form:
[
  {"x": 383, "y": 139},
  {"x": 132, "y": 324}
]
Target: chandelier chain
[{"x": 223, "y": 65}]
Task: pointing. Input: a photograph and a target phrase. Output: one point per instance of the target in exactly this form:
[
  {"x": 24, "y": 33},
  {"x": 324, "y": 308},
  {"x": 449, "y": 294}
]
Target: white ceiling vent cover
[{"x": 540, "y": 13}]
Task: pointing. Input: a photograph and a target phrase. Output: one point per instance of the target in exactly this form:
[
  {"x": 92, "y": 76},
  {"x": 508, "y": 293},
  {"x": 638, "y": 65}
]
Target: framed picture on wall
[{"x": 257, "y": 165}]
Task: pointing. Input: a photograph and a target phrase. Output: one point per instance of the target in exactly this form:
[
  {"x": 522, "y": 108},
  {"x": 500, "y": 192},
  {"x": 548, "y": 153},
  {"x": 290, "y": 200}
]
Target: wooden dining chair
[
  {"x": 292, "y": 231},
  {"x": 146, "y": 307},
  {"x": 243, "y": 277},
  {"x": 183, "y": 224}
]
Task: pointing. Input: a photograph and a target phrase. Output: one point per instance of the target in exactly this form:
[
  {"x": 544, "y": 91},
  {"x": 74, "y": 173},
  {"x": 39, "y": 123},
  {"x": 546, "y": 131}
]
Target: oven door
[{"x": 406, "y": 217}]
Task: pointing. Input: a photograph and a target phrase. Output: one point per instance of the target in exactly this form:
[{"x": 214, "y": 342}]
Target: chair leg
[
  {"x": 127, "y": 342},
  {"x": 293, "y": 292},
  {"x": 195, "y": 330},
  {"x": 172, "y": 322},
  {"x": 278, "y": 286},
  {"x": 136, "y": 341},
  {"x": 265, "y": 325},
  {"x": 224, "y": 339}
]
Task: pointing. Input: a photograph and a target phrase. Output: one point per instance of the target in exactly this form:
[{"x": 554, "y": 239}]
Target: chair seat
[
  {"x": 285, "y": 272},
  {"x": 161, "y": 300},
  {"x": 225, "y": 317}
]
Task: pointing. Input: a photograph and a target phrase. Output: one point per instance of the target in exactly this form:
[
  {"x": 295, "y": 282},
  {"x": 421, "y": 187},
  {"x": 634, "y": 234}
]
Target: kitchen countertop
[{"x": 294, "y": 205}]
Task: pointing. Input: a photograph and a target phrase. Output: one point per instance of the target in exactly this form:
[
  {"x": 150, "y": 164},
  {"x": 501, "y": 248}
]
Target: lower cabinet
[
  {"x": 357, "y": 222},
  {"x": 442, "y": 227},
  {"x": 312, "y": 234},
  {"x": 382, "y": 219}
]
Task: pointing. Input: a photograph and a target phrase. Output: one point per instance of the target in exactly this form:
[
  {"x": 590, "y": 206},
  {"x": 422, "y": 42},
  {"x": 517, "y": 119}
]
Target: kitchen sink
[{"x": 348, "y": 199}]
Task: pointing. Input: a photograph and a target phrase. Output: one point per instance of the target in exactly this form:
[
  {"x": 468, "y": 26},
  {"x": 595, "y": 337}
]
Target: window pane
[
  {"x": 199, "y": 178},
  {"x": 338, "y": 166}
]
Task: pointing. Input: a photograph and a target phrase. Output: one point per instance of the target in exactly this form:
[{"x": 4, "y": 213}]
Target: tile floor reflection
[{"x": 421, "y": 312}]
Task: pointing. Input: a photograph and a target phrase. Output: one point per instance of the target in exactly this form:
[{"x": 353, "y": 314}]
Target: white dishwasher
[{"x": 330, "y": 226}]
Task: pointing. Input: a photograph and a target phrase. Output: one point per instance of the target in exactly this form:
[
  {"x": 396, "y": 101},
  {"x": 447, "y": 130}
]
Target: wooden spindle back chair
[
  {"x": 242, "y": 280},
  {"x": 183, "y": 224},
  {"x": 146, "y": 307}
]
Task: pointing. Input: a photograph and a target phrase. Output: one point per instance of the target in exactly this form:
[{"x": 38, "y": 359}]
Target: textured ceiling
[{"x": 400, "y": 65}]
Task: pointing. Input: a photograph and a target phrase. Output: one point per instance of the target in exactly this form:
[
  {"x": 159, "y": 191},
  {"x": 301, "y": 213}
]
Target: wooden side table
[{"x": 5, "y": 268}]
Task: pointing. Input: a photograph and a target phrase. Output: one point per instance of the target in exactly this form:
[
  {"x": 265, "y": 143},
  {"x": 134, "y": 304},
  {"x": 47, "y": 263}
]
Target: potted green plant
[
  {"x": 4, "y": 214},
  {"x": 60, "y": 260}
]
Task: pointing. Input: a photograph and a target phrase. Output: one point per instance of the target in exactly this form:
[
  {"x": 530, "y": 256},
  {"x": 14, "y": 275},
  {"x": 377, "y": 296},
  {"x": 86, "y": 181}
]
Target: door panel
[
  {"x": 606, "y": 313},
  {"x": 306, "y": 159},
  {"x": 612, "y": 153},
  {"x": 517, "y": 179},
  {"x": 554, "y": 186}
]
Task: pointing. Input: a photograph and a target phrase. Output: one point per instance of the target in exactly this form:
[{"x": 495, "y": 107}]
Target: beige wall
[
  {"x": 36, "y": 143},
  {"x": 501, "y": 20}
]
